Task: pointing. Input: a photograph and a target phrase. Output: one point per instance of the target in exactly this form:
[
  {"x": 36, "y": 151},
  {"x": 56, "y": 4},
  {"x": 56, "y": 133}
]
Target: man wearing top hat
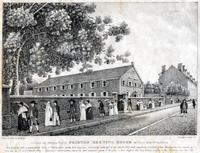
[{"x": 33, "y": 114}]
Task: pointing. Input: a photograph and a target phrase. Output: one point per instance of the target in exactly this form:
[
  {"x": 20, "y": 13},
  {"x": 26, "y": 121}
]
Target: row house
[{"x": 121, "y": 80}]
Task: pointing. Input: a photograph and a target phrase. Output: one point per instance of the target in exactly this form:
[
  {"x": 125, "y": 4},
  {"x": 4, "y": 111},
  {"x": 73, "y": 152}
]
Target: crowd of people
[
  {"x": 184, "y": 106},
  {"x": 28, "y": 115}
]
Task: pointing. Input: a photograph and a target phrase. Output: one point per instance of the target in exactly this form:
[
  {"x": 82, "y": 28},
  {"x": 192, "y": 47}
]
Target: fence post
[{"x": 6, "y": 113}]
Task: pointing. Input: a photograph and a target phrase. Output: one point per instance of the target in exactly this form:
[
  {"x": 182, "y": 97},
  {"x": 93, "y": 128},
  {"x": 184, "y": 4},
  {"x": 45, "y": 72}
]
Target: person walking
[
  {"x": 56, "y": 114},
  {"x": 193, "y": 103},
  {"x": 82, "y": 107},
  {"x": 48, "y": 114},
  {"x": 33, "y": 115},
  {"x": 89, "y": 112},
  {"x": 22, "y": 117},
  {"x": 72, "y": 111},
  {"x": 184, "y": 107},
  {"x": 130, "y": 108},
  {"x": 101, "y": 108}
]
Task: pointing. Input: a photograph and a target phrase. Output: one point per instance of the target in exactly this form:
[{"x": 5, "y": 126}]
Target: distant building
[
  {"x": 151, "y": 89},
  {"x": 178, "y": 75},
  {"x": 121, "y": 80},
  {"x": 28, "y": 92}
]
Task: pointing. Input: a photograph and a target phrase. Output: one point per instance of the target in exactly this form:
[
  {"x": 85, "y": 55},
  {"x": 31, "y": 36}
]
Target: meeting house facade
[{"x": 120, "y": 80}]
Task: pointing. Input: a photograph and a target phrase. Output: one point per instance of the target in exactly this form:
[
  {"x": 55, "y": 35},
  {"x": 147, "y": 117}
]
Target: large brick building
[
  {"x": 178, "y": 75},
  {"x": 121, "y": 80}
]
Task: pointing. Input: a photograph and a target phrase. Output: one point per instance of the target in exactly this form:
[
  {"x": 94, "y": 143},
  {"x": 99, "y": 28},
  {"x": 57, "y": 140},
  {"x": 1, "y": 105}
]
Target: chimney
[
  {"x": 180, "y": 67},
  {"x": 163, "y": 69},
  {"x": 49, "y": 76},
  {"x": 132, "y": 63}
]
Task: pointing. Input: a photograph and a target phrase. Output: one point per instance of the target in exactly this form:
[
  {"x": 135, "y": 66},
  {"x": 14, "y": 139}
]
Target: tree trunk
[{"x": 15, "y": 81}]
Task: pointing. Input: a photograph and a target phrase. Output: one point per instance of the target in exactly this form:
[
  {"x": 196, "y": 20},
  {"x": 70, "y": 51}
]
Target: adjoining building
[
  {"x": 180, "y": 76},
  {"x": 120, "y": 80}
]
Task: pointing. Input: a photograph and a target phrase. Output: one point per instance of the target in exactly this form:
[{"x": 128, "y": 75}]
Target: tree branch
[
  {"x": 31, "y": 6},
  {"x": 40, "y": 8}
]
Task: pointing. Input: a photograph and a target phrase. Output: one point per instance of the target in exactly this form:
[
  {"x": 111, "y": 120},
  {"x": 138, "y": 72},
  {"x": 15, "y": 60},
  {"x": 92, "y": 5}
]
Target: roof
[
  {"x": 185, "y": 75},
  {"x": 113, "y": 73}
]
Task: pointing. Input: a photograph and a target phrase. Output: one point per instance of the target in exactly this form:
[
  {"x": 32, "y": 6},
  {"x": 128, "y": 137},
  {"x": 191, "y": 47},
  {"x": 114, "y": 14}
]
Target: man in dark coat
[
  {"x": 193, "y": 103},
  {"x": 33, "y": 115},
  {"x": 56, "y": 114},
  {"x": 89, "y": 112},
  {"x": 184, "y": 107},
  {"x": 72, "y": 111},
  {"x": 101, "y": 108}
]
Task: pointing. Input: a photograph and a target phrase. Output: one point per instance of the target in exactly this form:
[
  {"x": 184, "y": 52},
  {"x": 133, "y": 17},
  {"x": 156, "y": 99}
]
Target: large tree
[{"x": 38, "y": 37}]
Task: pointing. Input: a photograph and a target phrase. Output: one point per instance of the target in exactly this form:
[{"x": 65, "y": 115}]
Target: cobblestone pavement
[{"x": 176, "y": 125}]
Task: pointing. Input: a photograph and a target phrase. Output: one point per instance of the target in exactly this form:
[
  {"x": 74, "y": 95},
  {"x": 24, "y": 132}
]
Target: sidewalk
[{"x": 67, "y": 126}]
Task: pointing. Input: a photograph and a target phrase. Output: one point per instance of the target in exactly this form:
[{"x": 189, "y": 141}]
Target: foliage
[
  {"x": 177, "y": 89},
  {"x": 38, "y": 37},
  {"x": 152, "y": 88}
]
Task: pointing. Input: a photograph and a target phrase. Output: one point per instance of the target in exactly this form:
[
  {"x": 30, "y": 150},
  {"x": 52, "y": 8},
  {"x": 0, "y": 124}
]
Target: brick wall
[
  {"x": 145, "y": 100},
  {"x": 62, "y": 102}
]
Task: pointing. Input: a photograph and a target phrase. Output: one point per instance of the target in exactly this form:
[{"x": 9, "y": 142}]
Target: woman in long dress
[
  {"x": 111, "y": 108},
  {"x": 82, "y": 107},
  {"x": 22, "y": 117},
  {"x": 48, "y": 114},
  {"x": 89, "y": 112},
  {"x": 115, "y": 108}
]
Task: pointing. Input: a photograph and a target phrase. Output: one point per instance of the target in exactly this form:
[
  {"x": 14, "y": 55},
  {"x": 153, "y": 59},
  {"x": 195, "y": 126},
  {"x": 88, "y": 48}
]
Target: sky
[{"x": 161, "y": 34}]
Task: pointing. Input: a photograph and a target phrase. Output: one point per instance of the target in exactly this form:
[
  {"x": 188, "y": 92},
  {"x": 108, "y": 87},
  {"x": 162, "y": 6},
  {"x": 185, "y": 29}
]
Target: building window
[
  {"x": 135, "y": 84},
  {"x": 81, "y": 95},
  {"x": 81, "y": 85},
  {"x": 104, "y": 94},
  {"x": 71, "y": 86},
  {"x": 123, "y": 83},
  {"x": 39, "y": 89},
  {"x": 63, "y": 95},
  {"x": 130, "y": 83},
  {"x": 54, "y": 88},
  {"x": 92, "y": 94},
  {"x": 63, "y": 87},
  {"x": 92, "y": 84},
  {"x": 71, "y": 95},
  {"x": 47, "y": 88},
  {"x": 104, "y": 83}
]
